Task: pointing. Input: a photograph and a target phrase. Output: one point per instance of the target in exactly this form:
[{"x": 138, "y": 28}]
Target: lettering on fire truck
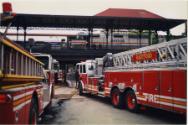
[{"x": 144, "y": 56}]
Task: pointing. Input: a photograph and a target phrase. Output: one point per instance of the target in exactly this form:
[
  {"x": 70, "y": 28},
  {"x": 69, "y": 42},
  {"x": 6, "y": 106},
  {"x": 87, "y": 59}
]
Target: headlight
[
  {"x": 110, "y": 84},
  {"x": 121, "y": 85}
]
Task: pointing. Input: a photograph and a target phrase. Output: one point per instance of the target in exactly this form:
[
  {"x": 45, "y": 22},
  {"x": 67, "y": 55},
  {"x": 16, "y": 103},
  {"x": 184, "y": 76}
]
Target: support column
[
  {"x": 89, "y": 38},
  {"x": 149, "y": 39},
  {"x": 68, "y": 40},
  {"x": 167, "y": 35},
  {"x": 156, "y": 36},
  {"x": 186, "y": 28},
  {"x": 111, "y": 38},
  {"x": 140, "y": 37},
  {"x": 107, "y": 38},
  {"x": 25, "y": 33},
  {"x": 65, "y": 74},
  {"x": 17, "y": 28}
]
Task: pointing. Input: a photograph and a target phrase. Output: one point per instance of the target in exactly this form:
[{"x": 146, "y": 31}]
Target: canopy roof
[
  {"x": 98, "y": 21},
  {"x": 129, "y": 13}
]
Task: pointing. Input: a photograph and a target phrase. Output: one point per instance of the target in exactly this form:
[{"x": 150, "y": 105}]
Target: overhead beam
[{"x": 66, "y": 21}]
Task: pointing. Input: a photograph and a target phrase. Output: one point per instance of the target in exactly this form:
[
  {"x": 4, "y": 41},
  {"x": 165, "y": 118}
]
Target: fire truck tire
[
  {"x": 80, "y": 89},
  {"x": 33, "y": 114},
  {"x": 131, "y": 101},
  {"x": 117, "y": 98}
]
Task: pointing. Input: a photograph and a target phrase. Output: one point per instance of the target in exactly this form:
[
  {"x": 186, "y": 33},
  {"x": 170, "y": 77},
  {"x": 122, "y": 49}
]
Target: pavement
[
  {"x": 64, "y": 92},
  {"x": 93, "y": 110},
  {"x": 68, "y": 108}
]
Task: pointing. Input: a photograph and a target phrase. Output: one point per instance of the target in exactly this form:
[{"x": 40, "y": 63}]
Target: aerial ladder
[{"x": 166, "y": 54}]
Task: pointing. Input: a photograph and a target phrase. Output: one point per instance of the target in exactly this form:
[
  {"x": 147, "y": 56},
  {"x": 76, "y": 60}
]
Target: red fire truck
[
  {"x": 57, "y": 72},
  {"x": 25, "y": 91},
  {"x": 48, "y": 65},
  {"x": 152, "y": 76}
]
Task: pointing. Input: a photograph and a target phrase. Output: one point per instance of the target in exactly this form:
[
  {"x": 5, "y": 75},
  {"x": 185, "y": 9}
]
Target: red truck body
[{"x": 146, "y": 78}]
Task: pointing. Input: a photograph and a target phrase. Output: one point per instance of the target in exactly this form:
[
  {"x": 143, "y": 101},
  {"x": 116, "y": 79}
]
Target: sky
[
  {"x": 167, "y": 8},
  {"x": 175, "y": 9}
]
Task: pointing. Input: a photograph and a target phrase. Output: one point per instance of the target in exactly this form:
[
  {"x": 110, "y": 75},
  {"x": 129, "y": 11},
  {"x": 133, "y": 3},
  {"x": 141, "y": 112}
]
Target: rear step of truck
[
  {"x": 101, "y": 94},
  {"x": 45, "y": 104}
]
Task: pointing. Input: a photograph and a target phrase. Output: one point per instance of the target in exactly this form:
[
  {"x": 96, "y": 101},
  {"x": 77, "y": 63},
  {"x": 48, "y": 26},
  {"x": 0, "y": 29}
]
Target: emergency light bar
[
  {"x": 7, "y": 8},
  {"x": 7, "y": 15},
  {"x": 7, "y": 11}
]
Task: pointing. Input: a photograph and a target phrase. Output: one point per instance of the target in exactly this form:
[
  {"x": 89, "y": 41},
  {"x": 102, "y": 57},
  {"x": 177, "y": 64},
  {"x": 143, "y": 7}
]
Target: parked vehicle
[
  {"x": 48, "y": 65},
  {"x": 25, "y": 89},
  {"x": 152, "y": 76}
]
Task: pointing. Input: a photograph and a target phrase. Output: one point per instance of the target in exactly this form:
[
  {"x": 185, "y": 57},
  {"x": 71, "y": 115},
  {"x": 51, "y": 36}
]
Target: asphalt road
[{"x": 97, "y": 110}]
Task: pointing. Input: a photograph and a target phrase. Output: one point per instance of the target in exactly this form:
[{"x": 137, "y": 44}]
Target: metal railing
[{"x": 172, "y": 53}]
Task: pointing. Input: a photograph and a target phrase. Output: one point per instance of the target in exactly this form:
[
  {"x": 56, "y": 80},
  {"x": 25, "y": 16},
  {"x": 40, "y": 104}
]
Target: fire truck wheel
[
  {"x": 117, "y": 98},
  {"x": 33, "y": 114},
  {"x": 131, "y": 101},
  {"x": 80, "y": 89}
]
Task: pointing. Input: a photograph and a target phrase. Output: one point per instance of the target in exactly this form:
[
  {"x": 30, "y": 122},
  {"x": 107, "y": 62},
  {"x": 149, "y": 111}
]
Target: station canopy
[{"x": 108, "y": 19}]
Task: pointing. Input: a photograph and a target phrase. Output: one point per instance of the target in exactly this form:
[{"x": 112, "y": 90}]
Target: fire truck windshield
[
  {"x": 44, "y": 60},
  {"x": 90, "y": 67},
  {"x": 56, "y": 66}
]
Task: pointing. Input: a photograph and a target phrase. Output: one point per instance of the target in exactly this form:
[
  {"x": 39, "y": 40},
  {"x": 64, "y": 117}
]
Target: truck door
[
  {"x": 165, "y": 98},
  {"x": 47, "y": 91},
  {"x": 91, "y": 79},
  {"x": 151, "y": 87},
  {"x": 179, "y": 90},
  {"x": 83, "y": 75}
]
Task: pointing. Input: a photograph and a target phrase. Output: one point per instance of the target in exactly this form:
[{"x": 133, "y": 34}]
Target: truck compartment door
[
  {"x": 165, "y": 98},
  {"x": 179, "y": 90},
  {"x": 151, "y": 87}
]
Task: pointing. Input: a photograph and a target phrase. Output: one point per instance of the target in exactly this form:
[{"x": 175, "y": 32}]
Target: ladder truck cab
[
  {"x": 48, "y": 88},
  {"x": 86, "y": 69},
  {"x": 153, "y": 76},
  {"x": 48, "y": 65},
  {"x": 91, "y": 75},
  {"x": 24, "y": 91},
  {"x": 57, "y": 71}
]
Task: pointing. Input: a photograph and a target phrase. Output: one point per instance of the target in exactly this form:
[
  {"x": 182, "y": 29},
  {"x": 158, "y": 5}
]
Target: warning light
[
  {"x": 7, "y": 12},
  {"x": 2, "y": 98},
  {"x": 7, "y": 7},
  {"x": 5, "y": 98}
]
